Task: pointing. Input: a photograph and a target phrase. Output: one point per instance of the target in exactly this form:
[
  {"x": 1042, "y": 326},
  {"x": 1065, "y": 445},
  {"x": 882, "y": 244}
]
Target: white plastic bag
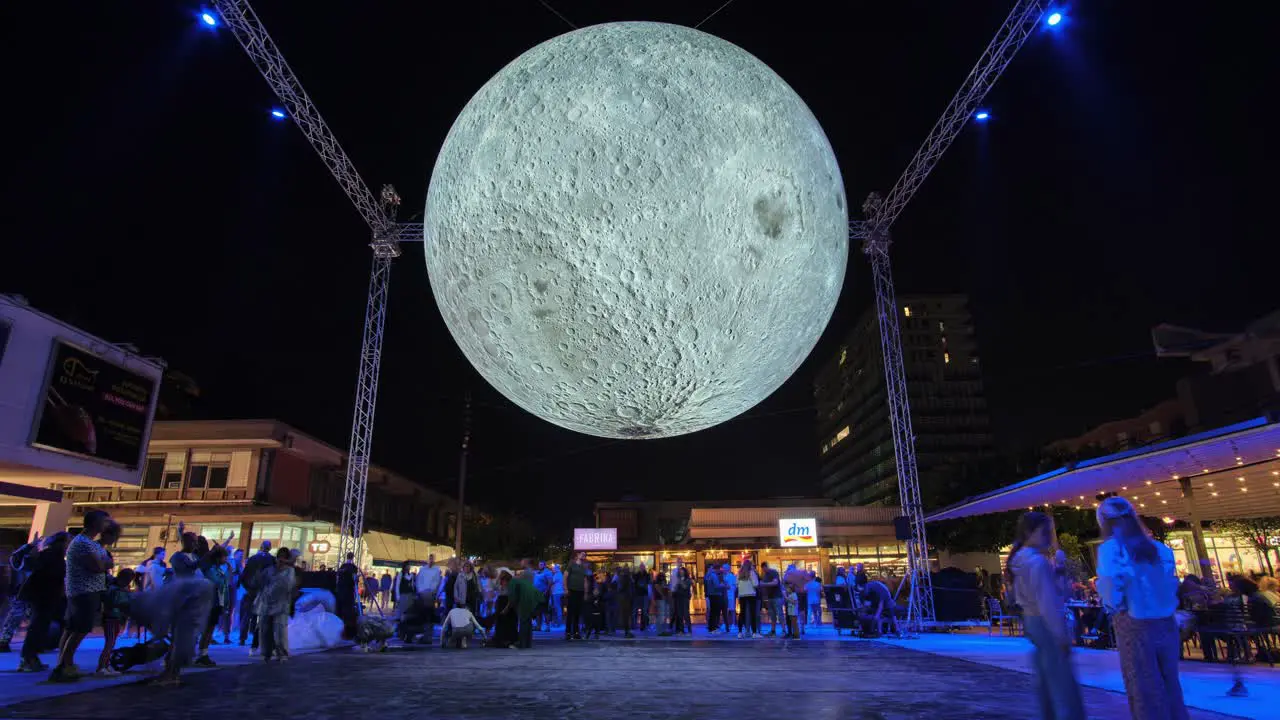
[{"x": 313, "y": 629}]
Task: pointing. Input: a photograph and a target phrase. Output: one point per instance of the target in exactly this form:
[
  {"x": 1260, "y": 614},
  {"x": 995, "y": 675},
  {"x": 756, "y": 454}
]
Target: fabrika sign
[
  {"x": 595, "y": 538},
  {"x": 798, "y": 532}
]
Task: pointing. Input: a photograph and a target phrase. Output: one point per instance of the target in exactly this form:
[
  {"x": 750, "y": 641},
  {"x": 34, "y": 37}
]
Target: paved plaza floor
[{"x": 820, "y": 678}]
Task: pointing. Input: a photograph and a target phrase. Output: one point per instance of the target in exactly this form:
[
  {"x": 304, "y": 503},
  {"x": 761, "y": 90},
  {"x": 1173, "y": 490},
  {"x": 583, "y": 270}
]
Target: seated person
[
  {"x": 459, "y": 625},
  {"x": 877, "y": 604}
]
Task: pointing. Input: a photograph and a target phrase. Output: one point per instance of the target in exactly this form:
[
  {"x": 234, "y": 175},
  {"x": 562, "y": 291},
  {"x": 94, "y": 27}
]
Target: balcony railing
[{"x": 117, "y": 495}]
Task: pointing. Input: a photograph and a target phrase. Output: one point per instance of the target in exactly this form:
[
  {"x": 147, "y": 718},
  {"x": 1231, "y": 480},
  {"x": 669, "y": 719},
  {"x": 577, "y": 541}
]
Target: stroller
[
  {"x": 126, "y": 658},
  {"x": 414, "y": 621}
]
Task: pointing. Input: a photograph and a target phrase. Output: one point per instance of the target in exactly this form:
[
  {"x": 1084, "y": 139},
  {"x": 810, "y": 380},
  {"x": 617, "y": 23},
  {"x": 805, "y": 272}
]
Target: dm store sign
[{"x": 798, "y": 532}]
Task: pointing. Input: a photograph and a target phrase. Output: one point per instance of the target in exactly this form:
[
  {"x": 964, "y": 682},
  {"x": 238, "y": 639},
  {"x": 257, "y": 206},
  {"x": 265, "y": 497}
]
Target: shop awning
[{"x": 1234, "y": 472}]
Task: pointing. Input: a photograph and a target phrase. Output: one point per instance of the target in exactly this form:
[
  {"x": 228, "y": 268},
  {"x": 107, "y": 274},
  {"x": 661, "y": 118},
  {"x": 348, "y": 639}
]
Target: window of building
[
  {"x": 844, "y": 433},
  {"x": 946, "y": 358},
  {"x": 209, "y": 472},
  {"x": 906, "y": 311},
  {"x": 942, "y": 327},
  {"x": 153, "y": 473},
  {"x": 844, "y": 354}
]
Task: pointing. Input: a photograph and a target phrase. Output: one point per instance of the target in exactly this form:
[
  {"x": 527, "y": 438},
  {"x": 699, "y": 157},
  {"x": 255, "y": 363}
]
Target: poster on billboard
[
  {"x": 595, "y": 538},
  {"x": 798, "y": 532},
  {"x": 93, "y": 408}
]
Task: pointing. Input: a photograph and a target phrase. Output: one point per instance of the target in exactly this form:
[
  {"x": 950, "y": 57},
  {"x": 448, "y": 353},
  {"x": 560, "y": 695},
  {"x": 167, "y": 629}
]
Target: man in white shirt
[{"x": 427, "y": 584}]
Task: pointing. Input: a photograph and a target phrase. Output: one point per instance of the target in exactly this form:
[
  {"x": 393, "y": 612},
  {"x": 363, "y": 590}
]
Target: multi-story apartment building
[{"x": 948, "y": 410}]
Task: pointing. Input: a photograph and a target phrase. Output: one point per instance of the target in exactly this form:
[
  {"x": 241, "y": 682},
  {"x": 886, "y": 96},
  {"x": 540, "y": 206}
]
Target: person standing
[
  {"x": 384, "y": 589},
  {"x": 1138, "y": 585},
  {"x": 713, "y": 585},
  {"x": 44, "y": 593},
  {"x": 20, "y": 565},
  {"x": 428, "y": 584},
  {"x": 681, "y": 597},
  {"x": 1036, "y": 589},
  {"x": 640, "y": 582},
  {"x": 575, "y": 585},
  {"x": 251, "y": 580},
  {"x": 214, "y": 569},
  {"x": 771, "y": 596},
  {"x": 86, "y": 581},
  {"x": 626, "y": 594},
  {"x": 749, "y": 609},
  {"x": 524, "y": 600},
  {"x": 730, "y": 596},
  {"x": 557, "y": 596},
  {"x": 272, "y": 606},
  {"x": 813, "y": 599}
]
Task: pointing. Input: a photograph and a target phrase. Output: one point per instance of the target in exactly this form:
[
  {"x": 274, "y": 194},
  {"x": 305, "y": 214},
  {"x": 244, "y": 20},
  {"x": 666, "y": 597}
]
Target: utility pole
[{"x": 462, "y": 474}]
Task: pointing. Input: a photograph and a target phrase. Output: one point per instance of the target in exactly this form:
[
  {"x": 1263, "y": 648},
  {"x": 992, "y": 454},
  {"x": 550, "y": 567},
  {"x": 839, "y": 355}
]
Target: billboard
[
  {"x": 798, "y": 532},
  {"x": 93, "y": 408},
  {"x": 595, "y": 538}
]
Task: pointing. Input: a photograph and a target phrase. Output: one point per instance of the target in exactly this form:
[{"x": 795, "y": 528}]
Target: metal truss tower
[
  {"x": 378, "y": 212},
  {"x": 880, "y": 214}
]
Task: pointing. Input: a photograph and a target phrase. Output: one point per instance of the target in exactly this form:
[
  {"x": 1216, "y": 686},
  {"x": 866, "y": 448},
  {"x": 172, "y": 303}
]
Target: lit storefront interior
[
  {"x": 836, "y": 536},
  {"x": 1226, "y": 473},
  {"x": 259, "y": 480}
]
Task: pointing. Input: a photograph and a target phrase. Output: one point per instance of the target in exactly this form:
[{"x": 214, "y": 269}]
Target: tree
[
  {"x": 1254, "y": 532},
  {"x": 499, "y": 536}
]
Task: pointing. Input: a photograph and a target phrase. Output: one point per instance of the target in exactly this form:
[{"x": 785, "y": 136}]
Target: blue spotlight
[
  {"x": 277, "y": 114},
  {"x": 982, "y": 115},
  {"x": 209, "y": 19},
  {"x": 1052, "y": 19}
]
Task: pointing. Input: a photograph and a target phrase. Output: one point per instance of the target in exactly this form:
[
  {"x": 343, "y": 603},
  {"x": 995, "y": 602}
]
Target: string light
[{"x": 1214, "y": 494}]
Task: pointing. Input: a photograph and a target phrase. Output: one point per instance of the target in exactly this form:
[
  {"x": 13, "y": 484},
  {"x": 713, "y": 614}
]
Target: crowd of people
[
  {"x": 72, "y": 584},
  {"x": 505, "y": 606}
]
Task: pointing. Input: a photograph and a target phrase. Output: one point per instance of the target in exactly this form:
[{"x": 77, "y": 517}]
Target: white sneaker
[
  {"x": 756, "y": 636},
  {"x": 739, "y": 634}
]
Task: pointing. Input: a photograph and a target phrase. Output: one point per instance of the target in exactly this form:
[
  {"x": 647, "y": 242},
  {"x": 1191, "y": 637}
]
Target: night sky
[{"x": 148, "y": 198}]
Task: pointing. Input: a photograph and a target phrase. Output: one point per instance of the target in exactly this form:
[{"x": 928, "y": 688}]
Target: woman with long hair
[
  {"x": 749, "y": 613},
  {"x": 1036, "y": 588},
  {"x": 1139, "y": 587}
]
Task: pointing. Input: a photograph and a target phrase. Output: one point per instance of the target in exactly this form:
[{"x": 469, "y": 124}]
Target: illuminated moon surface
[{"x": 636, "y": 230}]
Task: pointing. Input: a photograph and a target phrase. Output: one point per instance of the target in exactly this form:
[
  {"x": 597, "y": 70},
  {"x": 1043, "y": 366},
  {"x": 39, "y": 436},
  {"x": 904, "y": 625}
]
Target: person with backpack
[
  {"x": 19, "y": 609},
  {"x": 251, "y": 581}
]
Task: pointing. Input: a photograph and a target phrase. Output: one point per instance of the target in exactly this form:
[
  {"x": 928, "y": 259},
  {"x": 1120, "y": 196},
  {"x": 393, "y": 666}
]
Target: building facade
[
  {"x": 944, "y": 384},
  {"x": 261, "y": 480}
]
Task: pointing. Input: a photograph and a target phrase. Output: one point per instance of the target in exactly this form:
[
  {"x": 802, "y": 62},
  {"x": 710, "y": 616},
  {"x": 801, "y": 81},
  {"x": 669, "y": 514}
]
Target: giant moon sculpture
[{"x": 636, "y": 230}]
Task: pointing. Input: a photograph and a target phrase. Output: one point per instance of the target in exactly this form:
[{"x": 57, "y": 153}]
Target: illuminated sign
[
  {"x": 798, "y": 532},
  {"x": 595, "y": 538},
  {"x": 94, "y": 408}
]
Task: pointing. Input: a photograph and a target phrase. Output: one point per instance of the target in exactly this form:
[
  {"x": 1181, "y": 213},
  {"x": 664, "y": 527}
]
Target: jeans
[
  {"x": 275, "y": 634},
  {"x": 774, "y": 606},
  {"x": 557, "y": 608},
  {"x": 248, "y": 618},
  {"x": 664, "y": 624},
  {"x": 1056, "y": 684},
  {"x": 748, "y": 614},
  {"x": 730, "y": 607},
  {"x": 573, "y": 622},
  {"x": 715, "y": 608},
  {"x": 815, "y": 614}
]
